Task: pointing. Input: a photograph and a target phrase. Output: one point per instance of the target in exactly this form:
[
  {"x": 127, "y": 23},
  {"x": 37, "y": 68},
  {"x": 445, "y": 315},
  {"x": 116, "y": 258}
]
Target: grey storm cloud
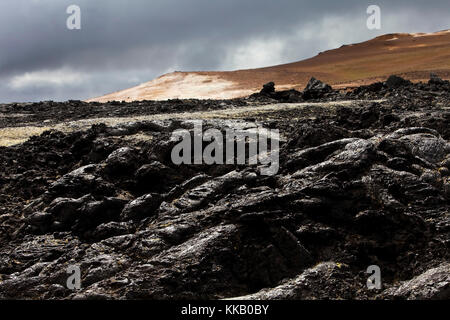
[{"x": 123, "y": 43}]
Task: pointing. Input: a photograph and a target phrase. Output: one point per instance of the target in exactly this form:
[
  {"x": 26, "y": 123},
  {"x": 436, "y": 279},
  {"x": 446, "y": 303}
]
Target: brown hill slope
[{"x": 412, "y": 56}]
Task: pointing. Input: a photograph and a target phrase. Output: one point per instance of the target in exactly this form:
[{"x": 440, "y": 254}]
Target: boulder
[
  {"x": 121, "y": 161},
  {"x": 316, "y": 89},
  {"x": 268, "y": 88},
  {"x": 155, "y": 176},
  {"x": 396, "y": 82},
  {"x": 435, "y": 79},
  {"x": 144, "y": 206}
]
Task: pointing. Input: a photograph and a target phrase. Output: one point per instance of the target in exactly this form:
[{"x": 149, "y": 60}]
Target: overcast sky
[{"x": 123, "y": 43}]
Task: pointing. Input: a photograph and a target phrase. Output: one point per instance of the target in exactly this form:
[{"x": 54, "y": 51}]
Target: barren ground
[{"x": 364, "y": 179}]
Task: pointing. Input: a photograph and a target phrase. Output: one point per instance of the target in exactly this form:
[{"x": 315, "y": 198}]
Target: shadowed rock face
[
  {"x": 433, "y": 284},
  {"x": 360, "y": 185}
]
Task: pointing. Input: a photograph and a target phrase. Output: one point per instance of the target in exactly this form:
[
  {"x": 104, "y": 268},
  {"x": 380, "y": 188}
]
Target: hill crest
[{"x": 412, "y": 56}]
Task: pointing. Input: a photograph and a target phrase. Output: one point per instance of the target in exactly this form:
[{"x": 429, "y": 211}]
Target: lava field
[{"x": 359, "y": 184}]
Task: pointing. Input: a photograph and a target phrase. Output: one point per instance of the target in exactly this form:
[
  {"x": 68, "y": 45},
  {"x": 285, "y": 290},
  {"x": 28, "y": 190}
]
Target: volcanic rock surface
[{"x": 364, "y": 180}]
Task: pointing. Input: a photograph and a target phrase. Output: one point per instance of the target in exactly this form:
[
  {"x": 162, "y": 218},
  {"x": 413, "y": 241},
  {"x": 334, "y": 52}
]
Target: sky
[{"x": 123, "y": 43}]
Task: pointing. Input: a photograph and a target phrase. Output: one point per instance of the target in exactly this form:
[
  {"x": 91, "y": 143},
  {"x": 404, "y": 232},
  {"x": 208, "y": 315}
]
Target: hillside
[{"x": 412, "y": 56}]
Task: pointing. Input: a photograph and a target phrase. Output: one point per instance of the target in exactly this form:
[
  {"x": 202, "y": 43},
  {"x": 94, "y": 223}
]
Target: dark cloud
[{"x": 124, "y": 43}]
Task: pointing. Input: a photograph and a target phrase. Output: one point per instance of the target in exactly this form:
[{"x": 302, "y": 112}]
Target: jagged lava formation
[{"x": 362, "y": 183}]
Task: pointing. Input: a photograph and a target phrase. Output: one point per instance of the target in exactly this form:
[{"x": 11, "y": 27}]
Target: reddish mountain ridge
[{"x": 412, "y": 56}]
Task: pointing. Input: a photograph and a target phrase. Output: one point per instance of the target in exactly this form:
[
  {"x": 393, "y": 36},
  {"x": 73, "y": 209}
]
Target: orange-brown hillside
[{"x": 412, "y": 56}]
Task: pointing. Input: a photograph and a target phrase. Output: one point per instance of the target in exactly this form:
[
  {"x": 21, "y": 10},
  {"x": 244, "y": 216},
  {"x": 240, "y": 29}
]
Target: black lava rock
[{"x": 316, "y": 89}]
